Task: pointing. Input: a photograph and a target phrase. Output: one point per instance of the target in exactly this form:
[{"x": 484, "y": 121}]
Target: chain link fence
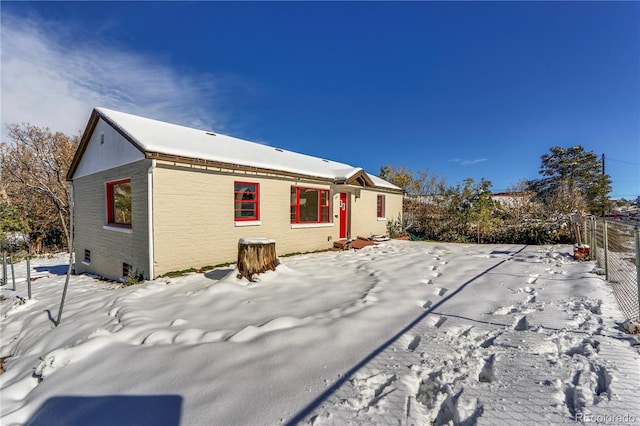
[{"x": 615, "y": 245}]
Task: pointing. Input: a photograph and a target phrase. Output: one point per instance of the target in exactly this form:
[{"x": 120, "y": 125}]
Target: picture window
[{"x": 310, "y": 205}]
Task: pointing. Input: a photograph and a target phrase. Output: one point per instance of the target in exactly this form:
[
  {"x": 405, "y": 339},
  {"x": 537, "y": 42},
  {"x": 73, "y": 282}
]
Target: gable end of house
[{"x": 94, "y": 122}]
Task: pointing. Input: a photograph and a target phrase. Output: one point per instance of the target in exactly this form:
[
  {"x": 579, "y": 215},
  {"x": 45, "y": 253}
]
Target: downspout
[
  {"x": 71, "y": 229},
  {"x": 150, "y": 216}
]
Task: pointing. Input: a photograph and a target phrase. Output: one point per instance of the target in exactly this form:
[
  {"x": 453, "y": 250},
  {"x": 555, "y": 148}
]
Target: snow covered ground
[{"x": 400, "y": 333}]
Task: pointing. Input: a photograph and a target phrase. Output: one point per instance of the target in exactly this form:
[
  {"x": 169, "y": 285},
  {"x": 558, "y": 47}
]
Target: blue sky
[{"x": 463, "y": 89}]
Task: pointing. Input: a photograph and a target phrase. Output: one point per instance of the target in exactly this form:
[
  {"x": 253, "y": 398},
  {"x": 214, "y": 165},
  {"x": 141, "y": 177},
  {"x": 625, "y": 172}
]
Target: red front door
[{"x": 344, "y": 215}]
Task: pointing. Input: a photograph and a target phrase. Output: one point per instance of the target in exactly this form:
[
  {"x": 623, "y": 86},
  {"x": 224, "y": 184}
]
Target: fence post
[
  {"x": 29, "y": 276},
  {"x": 4, "y": 268},
  {"x": 637, "y": 240},
  {"x": 605, "y": 243},
  {"x": 64, "y": 291},
  {"x": 13, "y": 273},
  {"x": 594, "y": 239}
]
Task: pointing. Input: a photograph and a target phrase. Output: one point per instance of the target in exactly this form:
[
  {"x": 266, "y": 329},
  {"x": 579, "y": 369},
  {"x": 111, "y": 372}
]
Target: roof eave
[
  {"x": 82, "y": 146},
  {"x": 230, "y": 166}
]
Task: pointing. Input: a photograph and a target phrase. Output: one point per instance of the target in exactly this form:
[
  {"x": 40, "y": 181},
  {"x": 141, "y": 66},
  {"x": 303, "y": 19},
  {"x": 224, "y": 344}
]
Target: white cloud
[
  {"x": 54, "y": 79},
  {"x": 468, "y": 162}
]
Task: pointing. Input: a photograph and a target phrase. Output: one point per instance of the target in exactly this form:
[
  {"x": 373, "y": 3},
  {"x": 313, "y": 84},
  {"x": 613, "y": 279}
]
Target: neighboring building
[
  {"x": 152, "y": 197},
  {"x": 513, "y": 199}
]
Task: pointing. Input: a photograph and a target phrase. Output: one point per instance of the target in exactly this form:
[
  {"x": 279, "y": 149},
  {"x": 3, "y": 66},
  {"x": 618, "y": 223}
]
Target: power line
[{"x": 626, "y": 162}]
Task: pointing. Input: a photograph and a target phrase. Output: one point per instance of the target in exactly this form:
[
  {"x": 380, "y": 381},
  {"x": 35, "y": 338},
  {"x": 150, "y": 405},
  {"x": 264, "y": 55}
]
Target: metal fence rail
[{"x": 615, "y": 245}]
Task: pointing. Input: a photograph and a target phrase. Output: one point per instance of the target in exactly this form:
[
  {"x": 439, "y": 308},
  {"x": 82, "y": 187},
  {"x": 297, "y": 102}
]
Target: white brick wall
[
  {"x": 193, "y": 221},
  {"x": 109, "y": 248},
  {"x": 194, "y": 225},
  {"x": 194, "y": 218}
]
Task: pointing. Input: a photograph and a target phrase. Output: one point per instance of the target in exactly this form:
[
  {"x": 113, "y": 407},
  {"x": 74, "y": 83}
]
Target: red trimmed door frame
[{"x": 345, "y": 215}]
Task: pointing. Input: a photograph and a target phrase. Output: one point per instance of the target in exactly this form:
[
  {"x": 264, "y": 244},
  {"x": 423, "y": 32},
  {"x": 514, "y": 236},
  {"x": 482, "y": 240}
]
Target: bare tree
[
  {"x": 423, "y": 183},
  {"x": 424, "y": 197},
  {"x": 33, "y": 166}
]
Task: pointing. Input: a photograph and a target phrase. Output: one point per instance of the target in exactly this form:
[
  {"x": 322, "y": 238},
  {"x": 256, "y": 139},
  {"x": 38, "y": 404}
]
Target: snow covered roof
[{"x": 158, "y": 139}]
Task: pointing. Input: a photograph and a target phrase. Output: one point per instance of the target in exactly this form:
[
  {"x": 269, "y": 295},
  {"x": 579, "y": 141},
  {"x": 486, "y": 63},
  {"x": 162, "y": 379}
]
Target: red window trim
[
  {"x": 256, "y": 202},
  {"x": 380, "y": 201},
  {"x": 321, "y": 207},
  {"x": 110, "y": 203}
]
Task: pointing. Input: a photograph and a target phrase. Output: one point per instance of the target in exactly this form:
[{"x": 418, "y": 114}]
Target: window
[
  {"x": 87, "y": 256},
  {"x": 119, "y": 203},
  {"x": 246, "y": 201},
  {"x": 310, "y": 205},
  {"x": 380, "y": 207}
]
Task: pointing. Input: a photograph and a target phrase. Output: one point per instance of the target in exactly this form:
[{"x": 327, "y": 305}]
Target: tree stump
[{"x": 255, "y": 256}]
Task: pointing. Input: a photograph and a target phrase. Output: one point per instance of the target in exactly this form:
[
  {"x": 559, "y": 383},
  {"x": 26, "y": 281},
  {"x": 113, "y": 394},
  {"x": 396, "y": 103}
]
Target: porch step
[{"x": 356, "y": 244}]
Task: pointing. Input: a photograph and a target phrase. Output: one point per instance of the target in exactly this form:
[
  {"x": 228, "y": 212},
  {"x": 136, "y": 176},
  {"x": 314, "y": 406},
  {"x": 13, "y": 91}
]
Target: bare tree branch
[{"x": 32, "y": 172}]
